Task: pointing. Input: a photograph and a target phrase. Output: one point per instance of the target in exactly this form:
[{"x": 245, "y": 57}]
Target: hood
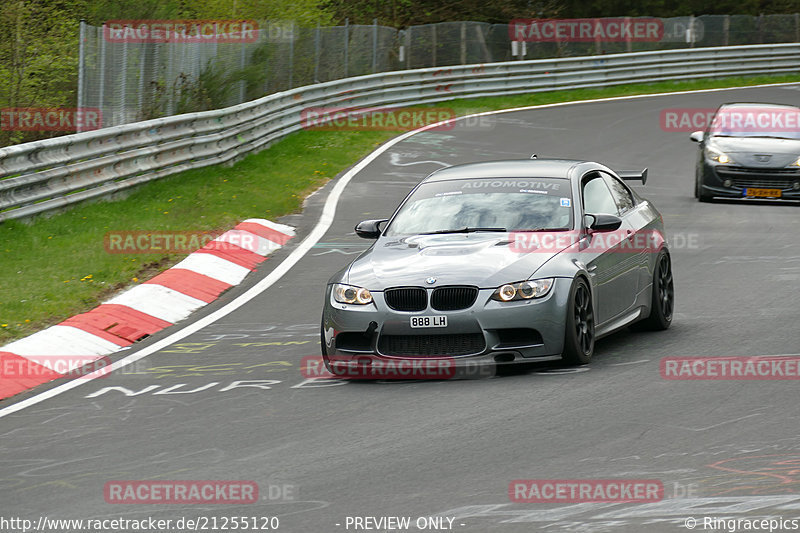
[
  {"x": 486, "y": 260},
  {"x": 758, "y": 151}
]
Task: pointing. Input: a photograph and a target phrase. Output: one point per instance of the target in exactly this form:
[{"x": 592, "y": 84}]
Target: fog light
[{"x": 727, "y": 183}]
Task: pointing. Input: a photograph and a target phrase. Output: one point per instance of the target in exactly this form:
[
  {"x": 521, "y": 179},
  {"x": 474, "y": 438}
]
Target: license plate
[
  {"x": 439, "y": 321},
  {"x": 763, "y": 193}
]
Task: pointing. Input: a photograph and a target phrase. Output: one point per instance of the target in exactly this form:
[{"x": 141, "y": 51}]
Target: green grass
[{"x": 54, "y": 267}]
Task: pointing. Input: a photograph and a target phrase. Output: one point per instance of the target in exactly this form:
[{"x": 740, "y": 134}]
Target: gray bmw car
[
  {"x": 749, "y": 151},
  {"x": 501, "y": 262}
]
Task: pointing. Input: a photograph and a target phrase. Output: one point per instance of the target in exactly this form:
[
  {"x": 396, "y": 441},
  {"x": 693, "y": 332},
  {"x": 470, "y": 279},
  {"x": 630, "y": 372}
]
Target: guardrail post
[{"x": 81, "y": 67}]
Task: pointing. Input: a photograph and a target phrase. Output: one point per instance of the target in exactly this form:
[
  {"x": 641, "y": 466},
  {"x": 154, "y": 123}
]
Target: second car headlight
[
  {"x": 350, "y": 294},
  {"x": 716, "y": 155},
  {"x": 523, "y": 290}
]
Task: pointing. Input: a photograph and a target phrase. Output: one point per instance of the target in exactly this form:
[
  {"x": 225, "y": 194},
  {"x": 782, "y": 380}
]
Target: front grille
[
  {"x": 761, "y": 184},
  {"x": 406, "y": 298},
  {"x": 766, "y": 178},
  {"x": 442, "y": 345},
  {"x": 771, "y": 172},
  {"x": 453, "y": 298}
]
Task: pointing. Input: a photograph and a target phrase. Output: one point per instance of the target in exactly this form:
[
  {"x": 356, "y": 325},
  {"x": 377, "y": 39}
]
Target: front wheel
[{"x": 579, "y": 334}]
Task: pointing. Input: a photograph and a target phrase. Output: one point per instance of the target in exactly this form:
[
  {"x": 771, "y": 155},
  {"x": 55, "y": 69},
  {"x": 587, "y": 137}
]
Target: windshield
[
  {"x": 757, "y": 121},
  {"x": 486, "y": 204}
]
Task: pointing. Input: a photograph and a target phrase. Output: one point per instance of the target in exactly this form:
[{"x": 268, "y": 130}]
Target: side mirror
[
  {"x": 369, "y": 229},
  {"x": 697, "y": 136},
  {"x": 602, "y": 222}
]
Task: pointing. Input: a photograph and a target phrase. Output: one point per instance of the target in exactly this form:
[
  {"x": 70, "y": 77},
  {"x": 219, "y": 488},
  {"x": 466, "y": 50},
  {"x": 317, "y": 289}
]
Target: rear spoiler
[{"x": 633, "y": 175}]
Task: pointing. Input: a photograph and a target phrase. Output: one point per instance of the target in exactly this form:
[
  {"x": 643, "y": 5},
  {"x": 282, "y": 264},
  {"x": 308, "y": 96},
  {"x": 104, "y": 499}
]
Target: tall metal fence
[
  {"x": 50, "y": 174},
  {"x": 131, "y": 81}
]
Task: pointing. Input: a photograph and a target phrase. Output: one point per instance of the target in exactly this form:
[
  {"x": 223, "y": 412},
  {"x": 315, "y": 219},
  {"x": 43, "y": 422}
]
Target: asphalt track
[{"x": 228, "y": 402}]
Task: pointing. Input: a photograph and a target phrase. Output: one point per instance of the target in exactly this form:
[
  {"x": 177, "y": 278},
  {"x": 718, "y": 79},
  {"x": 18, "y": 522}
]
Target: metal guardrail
[{"x": 44, "y": 175}]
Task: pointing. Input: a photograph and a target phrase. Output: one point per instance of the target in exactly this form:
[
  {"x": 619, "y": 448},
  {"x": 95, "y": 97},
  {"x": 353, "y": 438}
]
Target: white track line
[{"x": 325, "y": 221}]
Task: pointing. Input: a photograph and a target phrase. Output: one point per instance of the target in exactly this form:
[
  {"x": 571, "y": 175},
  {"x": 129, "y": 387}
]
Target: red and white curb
[{"x": 167, "y": 298}]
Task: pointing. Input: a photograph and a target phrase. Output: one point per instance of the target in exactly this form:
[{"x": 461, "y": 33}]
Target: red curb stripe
[
  {"x": 263, "y": 231},
  {"x": 12, "y": 383},
  {"x": 117, "y": 323},
  {"x": 92, "y": 323},
  {"x": 191, "y": 283},
  {"x": 233, "y": 253}
]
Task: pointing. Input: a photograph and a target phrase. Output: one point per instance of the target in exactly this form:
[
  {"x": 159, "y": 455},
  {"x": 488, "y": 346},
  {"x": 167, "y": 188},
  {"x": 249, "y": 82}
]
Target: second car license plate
[
  {"x": 439, "y": 321},
  {"x": 762, "y": 193}
]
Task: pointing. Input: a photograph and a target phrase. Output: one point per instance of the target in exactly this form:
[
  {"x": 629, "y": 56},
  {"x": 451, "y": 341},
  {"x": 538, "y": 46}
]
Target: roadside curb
[{"x": 171, "y": 296}]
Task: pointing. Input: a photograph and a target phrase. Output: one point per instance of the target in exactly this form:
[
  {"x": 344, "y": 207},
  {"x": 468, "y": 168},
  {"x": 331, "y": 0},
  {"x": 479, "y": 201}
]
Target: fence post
[
  {"x": 726, "y": 27},
  {"x": 408, "y": 47},
  {"x": 124, "y": 93},
  {"x": 291, "y": 58},
  {"x": 374, "y": 45},
  {"x": 102, "y": 88},
  {"x": 316, "y": 54},
  {"x": 346, "y": 44},
  {"x": 142, "y": 54},
  {"x": 81, "y": 67},
  {"x": 463, "y": 43},
  {"x": 797, "y": 27},
  {"x": 433, "y": 51}
]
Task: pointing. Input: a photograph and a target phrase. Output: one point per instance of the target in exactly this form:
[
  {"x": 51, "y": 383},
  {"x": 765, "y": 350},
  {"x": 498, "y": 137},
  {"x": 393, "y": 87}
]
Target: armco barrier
[{"x": 44, "y": 175}]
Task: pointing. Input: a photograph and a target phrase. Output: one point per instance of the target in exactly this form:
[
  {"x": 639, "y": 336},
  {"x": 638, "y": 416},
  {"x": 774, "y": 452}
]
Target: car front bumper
[
  {"x": 487, "y": 333},
  {"x": 731, "y": 182}
]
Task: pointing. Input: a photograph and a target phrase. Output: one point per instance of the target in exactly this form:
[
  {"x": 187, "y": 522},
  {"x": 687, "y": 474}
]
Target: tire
[
  {"x": 698, "y": 192},
  {"x": 662, "y": 299},
  {"x": 579, "y": 334}
]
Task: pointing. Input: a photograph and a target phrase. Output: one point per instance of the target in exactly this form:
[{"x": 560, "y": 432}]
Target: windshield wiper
[
  {"x": 543, "y": 229},
  {"x": 463, "y": 230}
]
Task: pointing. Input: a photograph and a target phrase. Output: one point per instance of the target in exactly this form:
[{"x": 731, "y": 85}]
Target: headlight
[
  {"x": 716, "y": 155},
  {"x": 348, "y": 294},
  {"x": 523, "y": 290},
  {"x": 796, "y": 163}
]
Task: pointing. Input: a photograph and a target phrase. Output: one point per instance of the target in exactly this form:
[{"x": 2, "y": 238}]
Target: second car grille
[
  {"x": 768, "y": 178},
  {"x": 406, "y": 298},
  {"x": 453, "y": 298},
  {"x": 444, "y": 345}
]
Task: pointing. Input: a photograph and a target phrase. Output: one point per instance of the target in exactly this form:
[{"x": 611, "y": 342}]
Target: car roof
[
  {"x": 515, "y": 168},
  {"x": 757, "y": 105}
]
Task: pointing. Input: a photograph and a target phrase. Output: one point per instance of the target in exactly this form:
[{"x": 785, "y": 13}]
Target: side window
[
  {"x": 597, "y": 199},
  {"x": 622, "y": 195}
]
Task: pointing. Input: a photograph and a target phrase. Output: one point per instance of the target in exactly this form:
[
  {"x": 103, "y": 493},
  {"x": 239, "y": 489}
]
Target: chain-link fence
[{"x": 132, "y": 81}]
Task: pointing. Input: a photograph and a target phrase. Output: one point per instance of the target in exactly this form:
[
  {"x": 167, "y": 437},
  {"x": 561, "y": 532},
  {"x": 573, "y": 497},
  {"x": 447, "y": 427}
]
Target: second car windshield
[
  {"x": 486, "y": 204},
  {"x": 780, "y": 122}
]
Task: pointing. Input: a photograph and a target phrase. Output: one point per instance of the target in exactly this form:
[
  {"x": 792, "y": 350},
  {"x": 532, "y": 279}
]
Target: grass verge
[{"x": 54, "y": 267}]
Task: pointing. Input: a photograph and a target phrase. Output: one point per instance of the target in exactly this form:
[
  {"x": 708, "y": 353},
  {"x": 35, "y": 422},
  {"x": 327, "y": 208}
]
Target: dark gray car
[
  {"x": 749, "y": 151},
  {"x": 502, "y": 262}
]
